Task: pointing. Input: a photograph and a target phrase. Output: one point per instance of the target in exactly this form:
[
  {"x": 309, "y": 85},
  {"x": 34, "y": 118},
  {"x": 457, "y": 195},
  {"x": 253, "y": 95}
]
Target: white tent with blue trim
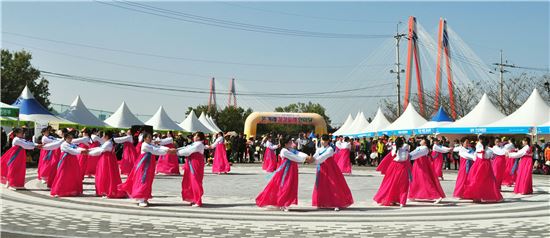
[
  {"x": 162, "y": 122},
  {"x": 482, "y": 114},
  {"x": 31, "y": 110},
  {"x": 79, "y": 113},
  {"x": 123, "y": 118},
  {"x": 345, "y": 126},
  {"x": 404, "y": 125}
]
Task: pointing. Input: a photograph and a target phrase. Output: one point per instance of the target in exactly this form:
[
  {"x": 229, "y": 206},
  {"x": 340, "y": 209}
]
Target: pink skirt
[
  {"x": 424, "y": 184},
  {"x": 220, "y": 163},
  {"x": 68, "y": 180},
  {"x": 395, "y": 185},
  {"x": 168, "y": 164},
  {"x": 53, "y": 168},
  {"x": 331, "y": 189},
  {"x": 270, "y": 160},
  {"x": 107, "y": 176},
  {"x": 509, "y": 178},
  {"x": 437, "y": 164},
  {"x": 343, "y": 161},
  {"x": 139, "y": 183},
  {"x": 385, "y": 163},
  {"x": 129, "y": 157},
  {"x": 482, "y": 185},
  {"x": 524, "y": 179},
  {"x": 462, "y": 178},
  {"x": 193, "y": 174},
  {"x": 499, "y": 168},
  {"x": 13, "y": 167},
  {"x": 282, "y": 189},
  {"x": 45, "y": 163}
]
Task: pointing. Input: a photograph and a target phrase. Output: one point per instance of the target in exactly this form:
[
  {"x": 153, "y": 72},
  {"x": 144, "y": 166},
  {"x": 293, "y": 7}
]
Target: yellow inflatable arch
[{"x": 256, "y": 118}]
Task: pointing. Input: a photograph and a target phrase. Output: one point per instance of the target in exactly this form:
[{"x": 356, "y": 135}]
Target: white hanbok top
[
  {"x": 48, "y": 139},
  {"x": 401, "y": 154},
  {"x": 124, "y": 139},
  {"x": 71, "y": 148},
  {"x": 166, "y": 141},
  {"x": 519, "y": 153},
  {"x": 27, "y": 145},
  {"x": 218, "y": 141},
  {"x": 270, "y": 145},
  {"x": 52, "y": 145},
  {"x": 343, "y": 145},
  {"x": 153, "y": 149},
  {"x": 419, "y": 152},
  {"x": 441, "y": 149},
  {"x": 197, "y": 146},
  {"x": 82, "y": 140},
  {"x": 322, "y": 154},
  {"x": 97, "y": 138},
  {"x": 105, "y": 147},
  {"x": 299, "y": 157}
]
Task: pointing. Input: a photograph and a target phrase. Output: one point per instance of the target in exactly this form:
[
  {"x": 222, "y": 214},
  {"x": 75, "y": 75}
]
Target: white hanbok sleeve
[
  {"x": 299, "y": 158},
  {"x": 52, "y": 145},
  {"x": 519, "y": 154},
  {"x": 66, "y": 147},
  {"x": 441, "y": 149},
  {"x": 271, "y": 146},
  {"x": 98, "y": 139},
  {"x": 320, "y": 158},
  {"x": 107, "y": 146},
  {"x": 498, "y": 151},
  {"x": 216, "y": 142},
  {"x": 81, "y": 140},
  {"x": 47, "y": 139},
  {"x": 464, "y": 154},
  {"x": 190, "y": 149},
  {"x": 393, "y": 150},
  {"x": 419, "y": 152},
  {"x": 123, "y": 139},
  {"x": 153, "y": 149},
  {"x": 166, "y": 141},
  {"x": 27, "y": 145}
]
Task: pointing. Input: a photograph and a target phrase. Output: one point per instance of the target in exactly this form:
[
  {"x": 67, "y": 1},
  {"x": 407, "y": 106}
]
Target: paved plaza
[{"x": 229, "y": 211}]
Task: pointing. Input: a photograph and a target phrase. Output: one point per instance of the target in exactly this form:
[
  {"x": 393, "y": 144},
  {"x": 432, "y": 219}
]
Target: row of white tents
[
  {"x": 533, "y": 117},
  {"x": 31, "y": 110}
]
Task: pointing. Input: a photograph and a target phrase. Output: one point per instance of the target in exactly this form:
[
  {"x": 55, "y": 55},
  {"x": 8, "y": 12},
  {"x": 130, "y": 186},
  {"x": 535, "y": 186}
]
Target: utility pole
[
  {"x": 398, "y": 69},
  {"x": 501, "y": 69}
]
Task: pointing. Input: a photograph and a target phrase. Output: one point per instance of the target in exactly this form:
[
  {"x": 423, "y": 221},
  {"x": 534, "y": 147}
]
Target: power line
[
  {"x": 186, "y": 17},
  {"x": 302, "y": 15},
  {"x": 175, "y": 57},
  {"x": 204, "y": 91}
]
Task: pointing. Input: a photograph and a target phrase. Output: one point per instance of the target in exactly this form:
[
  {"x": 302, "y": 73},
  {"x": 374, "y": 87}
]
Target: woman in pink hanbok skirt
[
  {"x": 464, "y": 169},
  {"x": 193, "y": 170},
  {"x": 139, "y": 183},
  {"x": 68, "y": 179},
  {"x": 343, "y": 156},
  {"x": 482, "y": 185},
  {"x": 270, "y": 158},
  {"x": 168, "y": 164},
  {"x": 220, "y": 163},
  {"x": 331, "y": 189},
  {"x": 129, "y": 154},
  {"x": 13, "y": 162},
  {"x": 107, "y": 176},
  {"x": 524, "y": 178},
  {"x": 425, "y": 184},
  {"x": 282, "y": 189},
  {"x": 437, "y": 155},
  {"x": 395, "y": 184},
  {"x": 384, "y": 164}
]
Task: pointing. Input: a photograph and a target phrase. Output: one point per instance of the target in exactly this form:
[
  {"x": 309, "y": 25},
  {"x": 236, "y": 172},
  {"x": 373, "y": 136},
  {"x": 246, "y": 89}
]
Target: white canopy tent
[
  {"x": 482, "y": 114},
  {"x": 79, "y": 113},
  {"x": 377, "y": 124},
  {"x": 409, "y": 120},
  {"x": 192, "y": 124},
  {"x": 211, "y": 120},
  {"x": 31, "y": 110},
  {"x": 123, "y": 118},
  {"x": 358, "y": 125},
  {"x": 532, "y": 113},
  {"x": 206, "y": 123},
  {"x": 161, "y": 121},
  {"x": 344, "y": 126}
]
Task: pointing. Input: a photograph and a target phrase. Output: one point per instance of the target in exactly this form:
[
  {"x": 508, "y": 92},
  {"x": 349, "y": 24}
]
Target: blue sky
[{"x": 519, "y": 28}]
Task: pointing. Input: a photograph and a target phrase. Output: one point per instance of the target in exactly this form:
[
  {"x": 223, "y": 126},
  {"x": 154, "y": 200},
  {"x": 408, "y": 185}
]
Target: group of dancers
[{"x": 64, "y": 163}]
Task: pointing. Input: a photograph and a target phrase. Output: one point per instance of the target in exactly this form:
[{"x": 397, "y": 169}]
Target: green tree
[
  {"x": 17, "y": 72},
  {"x": 228, "y": 119}
]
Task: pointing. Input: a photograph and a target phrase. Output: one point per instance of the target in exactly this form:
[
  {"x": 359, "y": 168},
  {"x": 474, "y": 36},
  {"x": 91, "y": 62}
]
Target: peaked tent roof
[
  {"x": 31, "y": 110},
  {"x": 378, "y": 123},
  {"x": 440, "y": 118},
  {"x": 441, "y": 115},
  {"x": 161, "y": 121},
  {"x": 409, "y": 120},
  {"x": 344, "y": 126},
  {"x": 531, "y": 114},
  {"x": 211, "y": 120},
  {"x": 192, "y": 124},
  {"x": 482, "y": 114},
  {"x": 206, "y": 123},
  {"x": 359, "y": 124},
  {"x": 79, "y": 113},
  {"x": 123, "y": 118}
]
